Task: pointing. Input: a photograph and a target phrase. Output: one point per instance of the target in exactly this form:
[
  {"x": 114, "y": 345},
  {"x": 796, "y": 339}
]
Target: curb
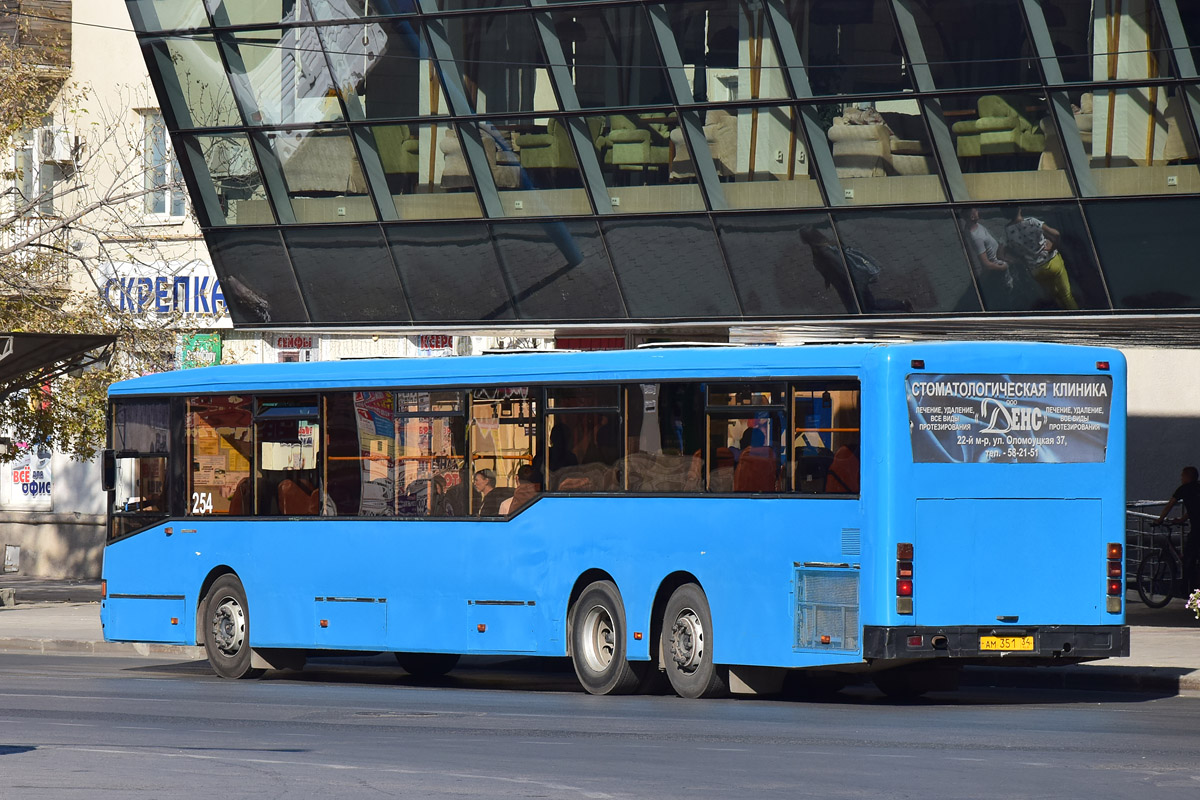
[{"x": 77, "y": 647}]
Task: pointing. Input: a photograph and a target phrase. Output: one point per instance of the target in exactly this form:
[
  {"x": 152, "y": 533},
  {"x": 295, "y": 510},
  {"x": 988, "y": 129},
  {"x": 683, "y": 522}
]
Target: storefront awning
[{"x": 32, "y": 359}]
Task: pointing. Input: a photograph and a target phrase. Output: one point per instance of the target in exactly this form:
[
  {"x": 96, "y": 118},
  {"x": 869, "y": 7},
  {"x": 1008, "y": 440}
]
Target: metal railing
[{"x": 1140, "y": 516}]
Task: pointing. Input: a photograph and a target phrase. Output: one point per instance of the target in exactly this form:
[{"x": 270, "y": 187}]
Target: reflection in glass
[
  {"x": 426, "y": 171},
  {"x": 205, "y": 98},
  {"x": 746, "y": 453},
  {"x": 584, "y": 445},
  {"x": 502, "y": 439},
  {"x": 785, "y": 265},
  {"x": 383, "y": 69},
  {"x": 533, "y": 166},
  {"x": 1008, "y": 146},
  {"x": 826, "y": 439},
  {"x": 645, "y": 162},
  {"x": 501, "y": 63},
  {"x": 450, "y": 272},
  {"x": 727, "y": 50},
  {"x": 981, "y": 43},
  {"x": 167, "y": 15},
  {"x": 361, "y": 462},
  {"x": 612, "y": 56},
  {"x": 670, "y": 269},
  {"x": 1142, "y": 141},
  {"x": 849, "y": 46},
  {"x": 1142, "y": 244},
  {"x": 431, "y": 465},
  {"x": 256, "y": 276},
  {"x": 1128, "y": 43},
  {"x": 287, "y": 75},
  {"x": 905, "y": 261},
  {"x": 288, "y": 470},
  {"x": 558, "y": 270},
  {"x": 235, "y": 179},
  {"x": 324, "y": 179},
  {"x": 368, "y": 292},
  {"x": 353, "y": 9},
  {"x": 882, "y": 153},
  {"x": 220, "y": 445},
  {"x": 257, "y": 12},
  {"x": 665, "y": 437}
]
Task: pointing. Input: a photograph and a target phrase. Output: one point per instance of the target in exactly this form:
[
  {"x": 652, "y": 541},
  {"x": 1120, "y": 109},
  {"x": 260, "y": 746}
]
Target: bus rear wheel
[
  {"x": 687, "y": 645},
  {"x": 427, "y": 665},
  {"x": 226, "y": 616},
  {"x": 598, "y": 641}
]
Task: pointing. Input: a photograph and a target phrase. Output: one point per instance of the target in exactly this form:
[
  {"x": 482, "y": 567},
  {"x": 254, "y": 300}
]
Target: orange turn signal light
[
  {"x": 104, "y": 590},
  {"x": 481, "y": 627},
  {"x": 174, "y": 620},
  {"x": 324, "y": 623},
  {"x": 825, "y": 639},
  {"x": 637, "y": 636},
  {"x": 1114, "y": 551}
]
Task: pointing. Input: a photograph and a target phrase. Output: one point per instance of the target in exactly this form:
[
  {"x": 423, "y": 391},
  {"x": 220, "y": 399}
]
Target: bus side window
[
  {"x": 503, "y": 436},
  {"x": 826, "y": 419},
  {"x": 664, "y": 437},
  {"x": 583, "y": 438},
  {"x": 217, "y": 431}
]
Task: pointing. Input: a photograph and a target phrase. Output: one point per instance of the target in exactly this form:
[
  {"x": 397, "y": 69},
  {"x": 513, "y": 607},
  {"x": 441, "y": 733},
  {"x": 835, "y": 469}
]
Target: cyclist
[{"x": 1188, "y": 493}]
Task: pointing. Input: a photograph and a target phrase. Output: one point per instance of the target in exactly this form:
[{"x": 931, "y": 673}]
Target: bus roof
[{"x": 553, "y": 367}]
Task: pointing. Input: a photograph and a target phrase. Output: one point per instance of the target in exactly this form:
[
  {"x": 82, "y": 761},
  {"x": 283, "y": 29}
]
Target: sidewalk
[{"x": 1164, "y": 643}]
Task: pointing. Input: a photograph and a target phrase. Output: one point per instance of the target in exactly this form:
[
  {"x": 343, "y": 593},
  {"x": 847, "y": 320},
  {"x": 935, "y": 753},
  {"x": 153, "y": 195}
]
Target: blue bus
[{"x": 724, "y": 518}]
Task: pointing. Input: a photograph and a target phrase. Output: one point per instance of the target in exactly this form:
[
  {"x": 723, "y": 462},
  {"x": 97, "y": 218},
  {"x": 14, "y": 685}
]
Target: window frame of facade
[{"x": 158, "y": 162}]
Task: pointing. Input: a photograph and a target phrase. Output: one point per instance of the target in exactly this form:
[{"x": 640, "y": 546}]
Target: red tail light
[
  {"x": 1114, "y": 588},
  {"x": 1102, "y": 365},
  {"x": 904, "y": 588}
]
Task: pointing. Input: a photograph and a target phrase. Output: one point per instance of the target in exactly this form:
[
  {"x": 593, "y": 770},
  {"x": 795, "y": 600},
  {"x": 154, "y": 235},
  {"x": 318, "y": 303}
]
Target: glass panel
[
  {"x": 727, "y": 50},
  {"x": 501, "y": 63},
  {"x": 235, "y": 178},
  {"x": 645, "y": 162},
  {"x": 384, "y": 69},
  {"x": 849, "y": 46},
  {"x": 361, "y": 462},
  {"x": 219, "y": 449},
  {"x": 670, "y": 269},
  {"x": 324, "y": 179},
  {"x": 1189, "y": 14},
  {"x": 503, "y": 433},
  {"x": 760, "y": 155},
  {"x": 140, "y": 499},
  {"x": 370, "y": 292},
  {"x": 143, "y": 426},
  {"x": 288, "y": 469},
  {"x": 256, "y": 12},
  {"x": 745, "y": 394},
  {"x": 664, "y": 437},
  {"x": 167, "y": 15},
  {"x": 583, "y": 451},
  {"x": 429, "y": 401},
  {"x": 352, "y": 9},
  {"x": 469, "y": 5},
  {"x": 1126, "y": 232},
  {"x": 426, "y": 171},
  {"x": 612, "y": 57},
  {"x": 746, "y": 453},
  {"x": 787, "y": 265},
  {"x": 450, "y": 272},
  {"x": 1142, "y": 142},
  {"x": 567, "y": 397},
  {"x": 1093, "y": 45},
  {"x": 558, "y": 270},
  {"x": 287, "y": 75},
  {"x": 1032, "y": 258},
  {"x": 905, "y": 261},
  {"x": 205, "y": 98},
  {"x": 826, "y": 438},
  {"x": 980, "y": 43},
  {"x": 1008, "y": 146},
  {"x": 883, "y": 154},
  {"x": 533, "y": 164},
  {"x": 256, "y": 277},
  {"x": 431, "y": 466}
]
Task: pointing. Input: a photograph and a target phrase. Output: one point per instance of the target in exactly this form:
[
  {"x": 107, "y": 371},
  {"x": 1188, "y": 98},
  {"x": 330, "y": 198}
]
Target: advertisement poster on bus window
[{"x": 1009, "y": 419}]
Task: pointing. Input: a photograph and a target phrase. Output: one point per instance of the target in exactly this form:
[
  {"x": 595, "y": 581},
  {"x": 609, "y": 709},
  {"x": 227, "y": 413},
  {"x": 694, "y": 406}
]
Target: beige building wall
[{"x": 1164, "y": 419}]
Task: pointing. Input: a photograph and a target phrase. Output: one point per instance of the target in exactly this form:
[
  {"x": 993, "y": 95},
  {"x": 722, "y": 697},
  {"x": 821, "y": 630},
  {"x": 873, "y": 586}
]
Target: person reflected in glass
[
  {"x": 995, "y": 278},
  {"x": 827, "y": 260},
  {"x": 1032, "y": 241}
]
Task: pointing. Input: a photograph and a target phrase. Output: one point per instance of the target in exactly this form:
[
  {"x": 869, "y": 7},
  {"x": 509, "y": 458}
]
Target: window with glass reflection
[
  {"x": 825, "y": 437},
  {"x": 746, "y": 446},
  {"x": 352, "y": 9},
  {"x": 167, "y": 15},
  {"x": 980, "y": 43},
  {"x": 727, "y": 50},
  {"x": 361, "y": 458},
  {"x": 534, "y": 167},
  {"x": 612, "y": 56},
  {"x": 760, "y": 156},
  {"x": 882, "y": 152},
  {"x": 645, "y": 161},
  {"x": 287, "y": 76},
  {"x": 220, "y": 448},
  {"x": 1099, "y": 42},
  {"x": 583, "y": 438},
  {"x": 849, "y": 46},
  {"x": 1142, "y": 245},
  {"x": 665, "y": 436},
  {"x": 235, "y": 178},
  {"x": 141, "y": 440},
  {"x": 383, "y": 68},
  {"x": 289, "y": 469},
  {"x": 257, "y": 12},
  {"x": 503, "y": 437},
  {"x": 450, "y": 271},
  {"x": 324, "y": 178},
  {"x": 1142, "y": 141},
  {"x": 499, "y": 57},
  {"x": 431, "y": 454},
  {"x": 427, "y": 171},
  {"x": 198, "y": 89}
]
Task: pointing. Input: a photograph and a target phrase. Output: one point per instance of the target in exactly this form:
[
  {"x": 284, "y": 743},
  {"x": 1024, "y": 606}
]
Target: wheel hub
[
  {"x": 599, "y": 644},
  {"x": 229, "y": 626},
  {"x": 687, "y": 641}
]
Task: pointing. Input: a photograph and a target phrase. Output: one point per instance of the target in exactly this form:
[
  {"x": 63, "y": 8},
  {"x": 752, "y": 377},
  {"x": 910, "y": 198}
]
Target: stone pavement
[{"x": 64, "y": 617}]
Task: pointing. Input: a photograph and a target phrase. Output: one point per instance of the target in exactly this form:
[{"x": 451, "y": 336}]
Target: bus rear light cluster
[
  {"x": 904, "y": 578},
  {"x": 1113, "y": 577}
]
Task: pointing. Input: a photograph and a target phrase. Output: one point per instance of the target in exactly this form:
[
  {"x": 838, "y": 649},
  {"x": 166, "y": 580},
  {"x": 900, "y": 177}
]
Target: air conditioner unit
[{"x": 55, "y": 145}]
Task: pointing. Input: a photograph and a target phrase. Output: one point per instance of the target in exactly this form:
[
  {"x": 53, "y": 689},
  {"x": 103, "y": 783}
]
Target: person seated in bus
[
  {"x": 842, "y": 477},
  {"x": 1188, "y": 493},
  {"x": 528, "y": 487},
  {"x": 297, "y": 497},
  {"x": 487, "y": 498},
  {"x": 239, "y": 497}
]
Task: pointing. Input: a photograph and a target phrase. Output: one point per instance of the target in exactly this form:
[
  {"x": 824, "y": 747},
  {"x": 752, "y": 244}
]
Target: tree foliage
[{"x": 59, "y": 242}]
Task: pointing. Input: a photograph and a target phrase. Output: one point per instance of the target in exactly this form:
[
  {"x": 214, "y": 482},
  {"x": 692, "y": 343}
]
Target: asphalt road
[{"x": 96, "y": 727}]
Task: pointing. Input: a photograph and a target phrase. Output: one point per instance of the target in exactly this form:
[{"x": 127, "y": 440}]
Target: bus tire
[
  {"x": 1156, "y": 579},
  {"x": 687, "y": 639},
  {"x": 427, "y": 665},
  {"x": 227, "y": 629},
  {"x": 598, "y": 641}
]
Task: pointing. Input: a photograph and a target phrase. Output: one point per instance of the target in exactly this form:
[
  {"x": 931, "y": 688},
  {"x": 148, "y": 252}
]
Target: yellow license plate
[{"x": 1006, "y": 643}]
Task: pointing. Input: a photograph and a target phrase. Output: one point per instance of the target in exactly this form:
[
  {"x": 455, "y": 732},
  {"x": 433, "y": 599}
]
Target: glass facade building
[{"x": 426, "y": 162}]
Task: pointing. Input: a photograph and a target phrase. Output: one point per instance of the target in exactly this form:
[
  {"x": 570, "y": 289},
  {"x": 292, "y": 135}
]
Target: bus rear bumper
[{"x": 1065, "y": 643}]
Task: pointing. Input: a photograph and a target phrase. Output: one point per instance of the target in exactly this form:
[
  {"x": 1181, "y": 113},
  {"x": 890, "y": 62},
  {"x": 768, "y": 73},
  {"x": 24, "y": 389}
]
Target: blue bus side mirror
[{"x": 109, "y": 479}]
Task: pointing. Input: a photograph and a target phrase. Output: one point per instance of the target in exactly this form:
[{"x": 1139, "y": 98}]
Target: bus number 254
[{"x": 202, "y": 503}]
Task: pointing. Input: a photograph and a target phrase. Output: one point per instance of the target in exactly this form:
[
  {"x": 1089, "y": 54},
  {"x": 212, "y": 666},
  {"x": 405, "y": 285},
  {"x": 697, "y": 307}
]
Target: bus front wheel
[
  {"x": 687, "y": 645},
  {"x": 598, "y": 641},
  {"x": 227, "y": 629}
]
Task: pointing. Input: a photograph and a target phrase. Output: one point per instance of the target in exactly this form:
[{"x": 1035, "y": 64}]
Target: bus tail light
[
  {"x": 904, "y": 578},
  {"x": 1114, "y": 551},
  {"x": 903, "y": 588},
  {"x": 1102, "y": 365},
  {"x": 1114, "y": 588},
  {"x": 1114, "y": 579},
  {"x": 104, "y": 589}
]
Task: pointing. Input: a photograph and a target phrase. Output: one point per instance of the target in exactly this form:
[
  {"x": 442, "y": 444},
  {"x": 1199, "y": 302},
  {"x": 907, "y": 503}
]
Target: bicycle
[{"x": 1160, "y": 574}]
